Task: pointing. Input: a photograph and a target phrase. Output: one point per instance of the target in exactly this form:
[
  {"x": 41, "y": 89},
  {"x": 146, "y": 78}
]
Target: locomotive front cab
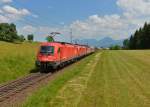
[{"x": 46, "y": 58}]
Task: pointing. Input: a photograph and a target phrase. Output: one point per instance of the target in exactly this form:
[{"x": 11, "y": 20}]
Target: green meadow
[
  {"x": 104, "y": 79},
  {"x": 16, "y": 60}
]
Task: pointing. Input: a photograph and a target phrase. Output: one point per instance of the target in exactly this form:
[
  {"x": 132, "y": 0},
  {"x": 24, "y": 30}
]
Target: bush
[{"x": 115, "y": 47}]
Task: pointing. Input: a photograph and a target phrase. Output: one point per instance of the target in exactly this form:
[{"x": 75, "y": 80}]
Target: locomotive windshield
[{"x": 47, "y": 49}]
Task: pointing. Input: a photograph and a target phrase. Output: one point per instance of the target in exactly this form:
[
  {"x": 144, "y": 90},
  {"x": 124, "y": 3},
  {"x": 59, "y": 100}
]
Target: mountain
[
  {"x": 105, "y": 42},
  {"x": 91, "y": 42}
]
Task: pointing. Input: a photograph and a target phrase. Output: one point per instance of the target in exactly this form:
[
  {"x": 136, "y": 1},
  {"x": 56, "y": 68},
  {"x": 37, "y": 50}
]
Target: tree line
[
  {"x": 140, "y": 39},
  {"x": 8, "y": 32}
]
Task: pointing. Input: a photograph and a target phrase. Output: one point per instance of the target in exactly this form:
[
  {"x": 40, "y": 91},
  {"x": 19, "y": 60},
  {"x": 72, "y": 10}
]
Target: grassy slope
[
  {"x": 115, "y": 79},
  {"x": 16, "y": 60}
]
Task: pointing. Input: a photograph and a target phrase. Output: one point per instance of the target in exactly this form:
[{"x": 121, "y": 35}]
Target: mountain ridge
[{"x": 104, "y": 42}]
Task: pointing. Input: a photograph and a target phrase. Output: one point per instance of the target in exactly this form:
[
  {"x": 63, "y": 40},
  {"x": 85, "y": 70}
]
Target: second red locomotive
[{"x": 52, "y": 55}]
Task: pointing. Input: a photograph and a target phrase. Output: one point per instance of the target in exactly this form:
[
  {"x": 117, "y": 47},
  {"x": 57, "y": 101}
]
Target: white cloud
[
  {"x": 1, "y": 11},
  {"x": 135, "y": 13},
  {"x": 11, "y": 14},
  {"x": 35, "y": 16},
  {"x": 99, "y": 26},
  {"x": 12, "y": 10},
  {"x": 118, "y": 26},
  {"x": 135, "y": 8},
  {"x": 62, "y": 23},
  {"x": 28, "y": 29},
  {"x": 3, "y": 19},
  {"x": 108, "y": 21},
  {"x": 41, "y": 32},
  {"x": 5, "y": 1}
]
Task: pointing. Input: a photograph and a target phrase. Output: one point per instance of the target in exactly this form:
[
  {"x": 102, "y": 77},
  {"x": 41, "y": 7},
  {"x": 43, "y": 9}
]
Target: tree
[
  {"x": 22, "y": 38},
  {"x": 50, "y": 39},
  {"x": 126, "y": 44},
  {"x": 8, "y": 32},
  {"x": 145, "y": 40},
  {"x": 141, "y": 38},
  {"x": 13, "y": 32},
  {"x": 30, "y": 37}
]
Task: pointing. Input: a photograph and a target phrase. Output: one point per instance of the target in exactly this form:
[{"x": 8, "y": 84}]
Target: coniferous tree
[
  {"x": 126, "y": 44},
  {"x": 140, "y": 39}
]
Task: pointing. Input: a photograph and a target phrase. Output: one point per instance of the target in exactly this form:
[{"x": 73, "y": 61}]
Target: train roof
[{"x": 62, "y": 43}]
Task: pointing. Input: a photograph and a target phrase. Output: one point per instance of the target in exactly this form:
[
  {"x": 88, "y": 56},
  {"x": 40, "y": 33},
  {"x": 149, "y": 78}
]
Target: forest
[{"x": 140, "y": 39}]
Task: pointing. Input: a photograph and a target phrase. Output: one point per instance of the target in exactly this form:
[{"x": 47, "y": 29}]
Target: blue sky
[
  {"x": 94, "y": 19},
  {"x": 66, "y": 11}
]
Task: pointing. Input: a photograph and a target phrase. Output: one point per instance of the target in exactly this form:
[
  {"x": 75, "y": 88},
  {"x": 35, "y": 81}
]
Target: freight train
[{"x": 52, "y": 55}]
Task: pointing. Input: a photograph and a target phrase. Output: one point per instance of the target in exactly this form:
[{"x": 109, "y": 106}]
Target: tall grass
[{"x": 16, "y": 60}]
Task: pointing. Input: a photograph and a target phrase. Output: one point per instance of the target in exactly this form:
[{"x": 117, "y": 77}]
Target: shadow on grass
[{"x": 35, "y": 70}]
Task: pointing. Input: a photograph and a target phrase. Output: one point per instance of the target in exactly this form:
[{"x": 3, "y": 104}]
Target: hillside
[{"x": 16, "y": 60}]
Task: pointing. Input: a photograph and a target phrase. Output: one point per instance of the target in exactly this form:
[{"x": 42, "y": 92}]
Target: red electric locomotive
[{"x": 56, "y": 54}]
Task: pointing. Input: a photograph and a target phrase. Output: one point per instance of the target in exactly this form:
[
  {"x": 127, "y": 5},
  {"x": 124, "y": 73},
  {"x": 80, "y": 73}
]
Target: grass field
[
  {"x": 16, "y": 60},
  {"x": 47, "y": 93},
  {"x": 105, "y": 79}
]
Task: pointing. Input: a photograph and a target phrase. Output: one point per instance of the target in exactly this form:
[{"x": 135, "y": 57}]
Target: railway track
[
  {"x": 17, "y": 86},
  {"x": 14, "y": 87}
]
